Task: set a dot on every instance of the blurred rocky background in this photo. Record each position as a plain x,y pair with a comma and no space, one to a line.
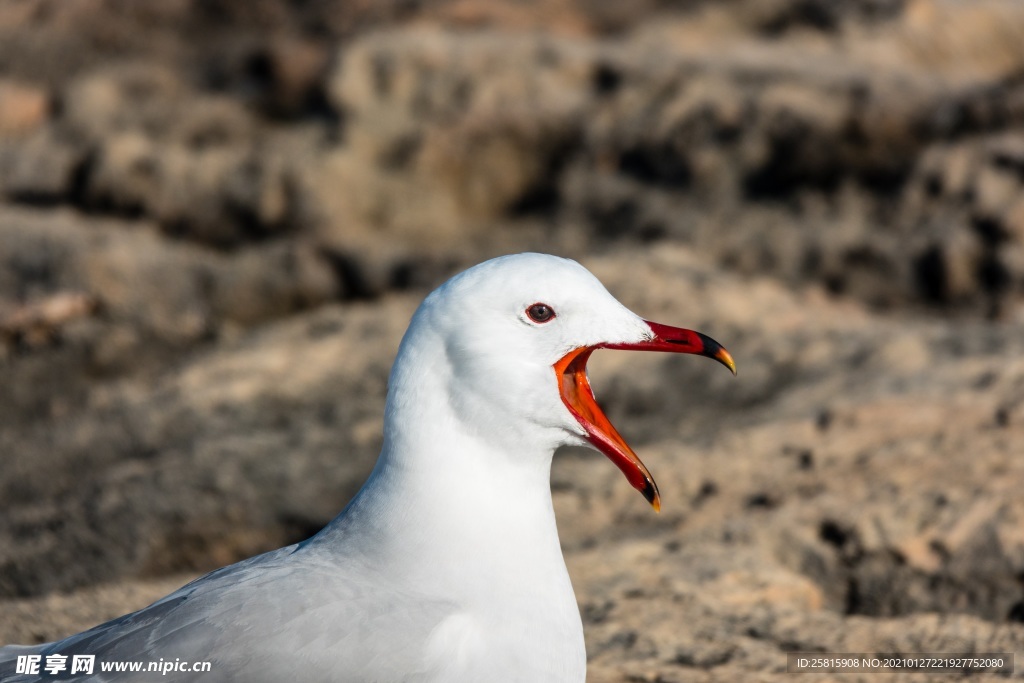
216,217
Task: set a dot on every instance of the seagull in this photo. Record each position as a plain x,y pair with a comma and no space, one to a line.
446,566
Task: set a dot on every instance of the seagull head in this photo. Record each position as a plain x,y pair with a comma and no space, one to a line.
512,338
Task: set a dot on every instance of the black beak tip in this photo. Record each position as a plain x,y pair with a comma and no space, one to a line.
651,494
713,349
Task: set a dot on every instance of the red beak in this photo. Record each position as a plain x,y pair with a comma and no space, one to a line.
578,397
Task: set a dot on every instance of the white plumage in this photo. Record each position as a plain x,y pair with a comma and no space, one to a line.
446,566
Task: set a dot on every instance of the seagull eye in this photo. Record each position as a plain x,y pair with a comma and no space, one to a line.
540,313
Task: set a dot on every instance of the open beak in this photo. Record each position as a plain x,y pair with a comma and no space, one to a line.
578,397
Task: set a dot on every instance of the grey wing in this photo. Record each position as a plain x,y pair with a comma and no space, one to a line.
285,614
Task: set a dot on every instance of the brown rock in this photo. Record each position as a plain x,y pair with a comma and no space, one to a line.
23,107
39,168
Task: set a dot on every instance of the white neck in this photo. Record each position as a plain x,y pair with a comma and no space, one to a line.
444,492
441,496
463,516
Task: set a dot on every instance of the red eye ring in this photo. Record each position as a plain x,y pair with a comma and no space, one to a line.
540,313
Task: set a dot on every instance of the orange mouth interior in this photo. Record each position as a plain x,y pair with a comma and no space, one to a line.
578,397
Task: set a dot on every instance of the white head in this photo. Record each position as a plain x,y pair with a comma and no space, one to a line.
506,343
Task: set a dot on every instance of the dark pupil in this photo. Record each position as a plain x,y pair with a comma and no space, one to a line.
540,312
